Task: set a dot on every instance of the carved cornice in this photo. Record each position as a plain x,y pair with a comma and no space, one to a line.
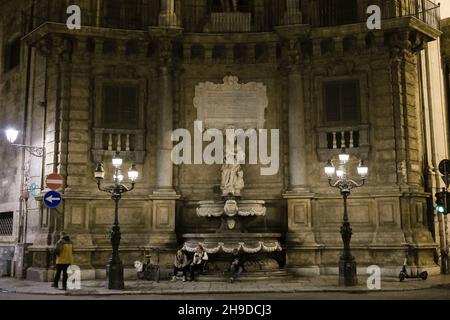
58,48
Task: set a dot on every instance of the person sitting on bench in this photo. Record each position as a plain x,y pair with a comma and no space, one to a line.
180,264
199,262
236,266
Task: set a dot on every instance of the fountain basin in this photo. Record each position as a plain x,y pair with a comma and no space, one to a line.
250,243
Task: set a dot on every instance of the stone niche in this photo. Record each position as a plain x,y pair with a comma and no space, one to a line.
231,104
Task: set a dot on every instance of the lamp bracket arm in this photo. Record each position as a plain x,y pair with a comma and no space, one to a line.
35,151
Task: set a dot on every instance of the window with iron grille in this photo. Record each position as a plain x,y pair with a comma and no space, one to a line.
120,106
342,101
6,223
11,55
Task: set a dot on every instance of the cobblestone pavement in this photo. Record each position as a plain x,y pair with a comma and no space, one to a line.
320,284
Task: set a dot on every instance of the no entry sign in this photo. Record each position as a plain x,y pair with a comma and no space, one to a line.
54,181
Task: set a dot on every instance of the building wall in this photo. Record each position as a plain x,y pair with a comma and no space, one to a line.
400,121
12,113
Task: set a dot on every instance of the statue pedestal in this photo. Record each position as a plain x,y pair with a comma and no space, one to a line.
231,212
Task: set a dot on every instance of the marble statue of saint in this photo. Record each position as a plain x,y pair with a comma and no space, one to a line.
232,179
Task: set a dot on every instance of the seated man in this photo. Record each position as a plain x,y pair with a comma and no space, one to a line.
180,264
199,261
236,266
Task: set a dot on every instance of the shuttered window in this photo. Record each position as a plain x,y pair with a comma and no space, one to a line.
123,14
120,106
342,101
337,12
11,55
6,223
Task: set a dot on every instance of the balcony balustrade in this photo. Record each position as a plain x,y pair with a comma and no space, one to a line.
130,144
198,16
331,140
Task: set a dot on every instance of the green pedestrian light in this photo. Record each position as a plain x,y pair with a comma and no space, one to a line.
440,209
440,202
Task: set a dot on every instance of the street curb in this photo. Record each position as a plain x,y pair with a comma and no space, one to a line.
80,293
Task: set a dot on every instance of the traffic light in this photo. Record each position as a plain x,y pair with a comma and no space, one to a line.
442,198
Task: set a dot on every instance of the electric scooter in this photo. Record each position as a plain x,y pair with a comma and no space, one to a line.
404,273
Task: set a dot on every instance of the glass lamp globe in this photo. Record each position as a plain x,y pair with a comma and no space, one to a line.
330,169
99,172
344,156
340,173
11,135
133,174
117,161
363,170
118,177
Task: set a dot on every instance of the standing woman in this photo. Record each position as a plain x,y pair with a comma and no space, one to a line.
64,258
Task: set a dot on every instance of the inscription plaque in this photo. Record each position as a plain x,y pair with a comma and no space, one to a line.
231,104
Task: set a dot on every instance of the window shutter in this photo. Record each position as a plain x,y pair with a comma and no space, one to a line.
128,102
111,106
131,13
113,12
342,101
120,106
350,101
332,105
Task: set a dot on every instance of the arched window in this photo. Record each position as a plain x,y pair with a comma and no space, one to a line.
11,57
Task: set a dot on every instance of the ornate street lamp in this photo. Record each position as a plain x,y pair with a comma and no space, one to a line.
347,263
11,136
114,269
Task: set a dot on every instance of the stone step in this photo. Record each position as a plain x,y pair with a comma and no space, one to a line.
247,276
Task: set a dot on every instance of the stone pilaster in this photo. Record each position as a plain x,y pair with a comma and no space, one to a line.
164,171
164,197
293,15
297,138
413,200
57,51
167,15
301,254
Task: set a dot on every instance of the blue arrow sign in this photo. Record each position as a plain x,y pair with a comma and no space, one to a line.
52,199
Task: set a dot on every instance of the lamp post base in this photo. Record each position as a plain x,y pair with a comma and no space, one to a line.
347,272
114,276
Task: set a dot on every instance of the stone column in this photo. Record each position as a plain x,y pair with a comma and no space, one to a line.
297,139
164,197
301,244
167,15
165,122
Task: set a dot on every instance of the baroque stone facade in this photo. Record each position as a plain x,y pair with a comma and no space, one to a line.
56,96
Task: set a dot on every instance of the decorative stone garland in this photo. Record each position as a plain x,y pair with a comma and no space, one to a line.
262,247
210,212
